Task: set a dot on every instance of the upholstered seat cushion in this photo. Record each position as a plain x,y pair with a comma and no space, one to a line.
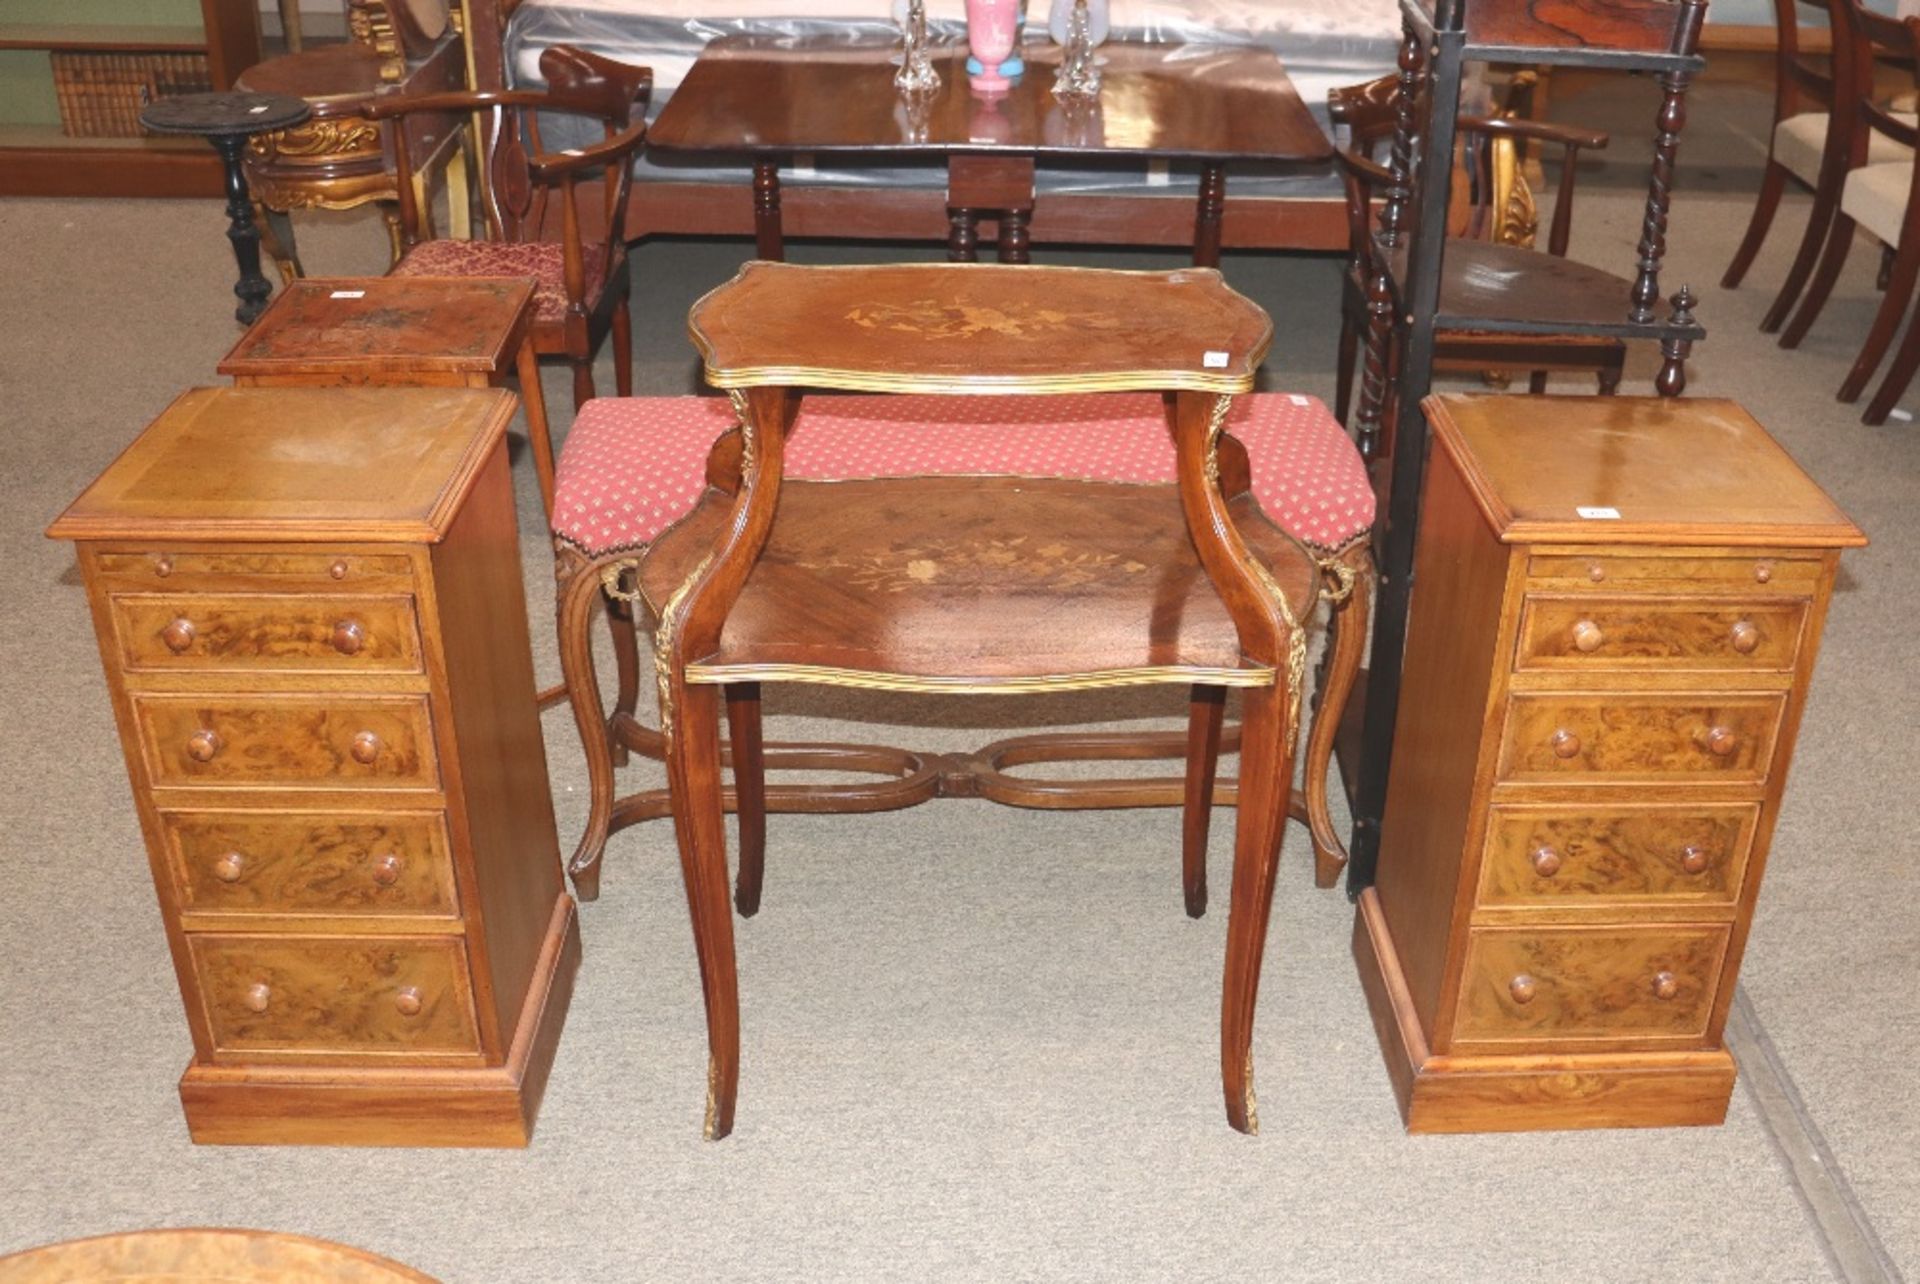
1799,141
544,261
1875,197
632,466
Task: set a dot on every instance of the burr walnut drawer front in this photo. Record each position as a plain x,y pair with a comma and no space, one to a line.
1747,573
1573,632
271,569
310,862
1640,738
1544,986
321,741
1596,857
267,631
315,995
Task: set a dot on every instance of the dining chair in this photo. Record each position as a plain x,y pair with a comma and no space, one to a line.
1498,207
537,222
1874,195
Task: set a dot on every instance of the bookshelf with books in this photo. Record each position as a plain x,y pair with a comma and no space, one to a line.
74,74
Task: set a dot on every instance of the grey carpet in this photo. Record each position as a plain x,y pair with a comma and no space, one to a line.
979,1042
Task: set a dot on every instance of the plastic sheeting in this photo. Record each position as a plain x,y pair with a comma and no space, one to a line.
1322,43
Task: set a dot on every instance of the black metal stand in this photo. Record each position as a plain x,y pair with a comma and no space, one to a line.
252,288
227,120
1407,302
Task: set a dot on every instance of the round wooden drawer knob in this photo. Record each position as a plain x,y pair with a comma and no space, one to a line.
1546,861
229,867
1722,741
349,637
339,569
386,870
1763,571
1587,637
203,745
163,566
1522,988
1744,637
178,635
365,748
1694,859
1596,572
1665,985
406,1000
1564,744
258,996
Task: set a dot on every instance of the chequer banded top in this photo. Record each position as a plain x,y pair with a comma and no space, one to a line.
632,466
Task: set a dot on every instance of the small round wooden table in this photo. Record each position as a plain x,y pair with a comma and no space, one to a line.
227,120
228,1256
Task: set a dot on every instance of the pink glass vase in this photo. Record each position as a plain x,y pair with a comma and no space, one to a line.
990,33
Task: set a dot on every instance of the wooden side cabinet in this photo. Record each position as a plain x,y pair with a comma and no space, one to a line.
1616,607
309,606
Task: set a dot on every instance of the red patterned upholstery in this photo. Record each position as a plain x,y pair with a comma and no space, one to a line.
632,466
543,261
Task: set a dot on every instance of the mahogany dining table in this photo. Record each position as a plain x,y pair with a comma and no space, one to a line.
775,98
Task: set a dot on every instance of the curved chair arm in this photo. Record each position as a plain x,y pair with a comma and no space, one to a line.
1540,130
547,166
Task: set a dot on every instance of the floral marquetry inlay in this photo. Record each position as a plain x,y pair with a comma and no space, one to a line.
939,320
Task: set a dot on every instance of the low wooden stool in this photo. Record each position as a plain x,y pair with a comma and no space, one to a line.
470,332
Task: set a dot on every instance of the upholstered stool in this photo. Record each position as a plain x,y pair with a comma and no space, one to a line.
633,466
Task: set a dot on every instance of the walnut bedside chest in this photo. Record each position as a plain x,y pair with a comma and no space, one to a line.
1616,608
309,606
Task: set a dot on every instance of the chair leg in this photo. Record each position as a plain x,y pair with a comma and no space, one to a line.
1772,184
699,822
1819,224
1899,375
1347,626
622,336
1839,245
1205,709
582,382
1537,383
624,630
575,599
1886,322
1349,354
533,401
749,792
276,238
1610,374
1266,768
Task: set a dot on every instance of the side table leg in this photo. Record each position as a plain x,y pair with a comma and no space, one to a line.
1015,241
252,289
769,238
1206,220
963,242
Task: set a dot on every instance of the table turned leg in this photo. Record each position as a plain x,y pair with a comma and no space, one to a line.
1207,218
769,238
252,288
1016,241
963,241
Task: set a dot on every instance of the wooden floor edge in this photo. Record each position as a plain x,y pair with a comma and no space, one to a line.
1535,1092
493,1106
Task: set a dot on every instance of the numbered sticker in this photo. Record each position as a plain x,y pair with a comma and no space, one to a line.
347,294
1597,513
1214,361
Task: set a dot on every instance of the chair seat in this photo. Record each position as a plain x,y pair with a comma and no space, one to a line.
1875,197
1800,141
544,261
633,466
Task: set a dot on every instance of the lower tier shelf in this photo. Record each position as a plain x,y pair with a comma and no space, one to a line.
1526,1092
